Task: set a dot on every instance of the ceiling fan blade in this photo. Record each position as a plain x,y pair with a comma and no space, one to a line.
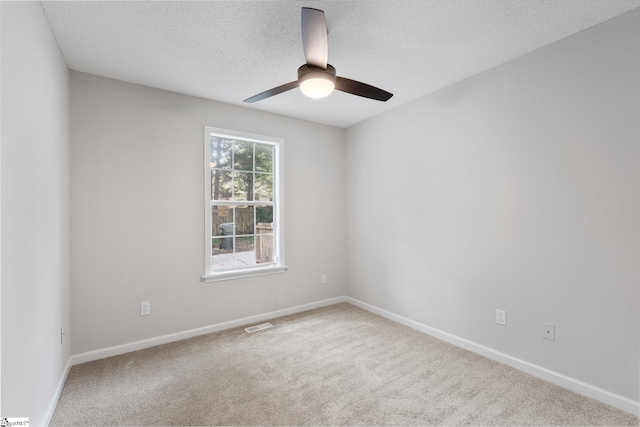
272,92
362,89
314,37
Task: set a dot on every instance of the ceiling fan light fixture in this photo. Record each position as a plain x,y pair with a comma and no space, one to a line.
316,82
317,88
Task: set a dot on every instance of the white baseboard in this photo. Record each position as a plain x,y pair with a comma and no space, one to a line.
54,399
165,339
561,380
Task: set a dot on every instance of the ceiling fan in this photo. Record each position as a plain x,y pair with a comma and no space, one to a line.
317,78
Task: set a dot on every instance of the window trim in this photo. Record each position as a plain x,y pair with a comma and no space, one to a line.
278,175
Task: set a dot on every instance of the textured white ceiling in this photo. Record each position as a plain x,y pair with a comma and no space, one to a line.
230,50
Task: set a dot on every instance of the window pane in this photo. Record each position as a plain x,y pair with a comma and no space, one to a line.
222,253
221,220
264,215
220,153
264,243
245,251
243,189
243,155
264,187
264,158
244,220
220,185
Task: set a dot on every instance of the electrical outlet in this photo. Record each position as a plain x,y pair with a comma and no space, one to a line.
501,317
323,278
549,331
145,308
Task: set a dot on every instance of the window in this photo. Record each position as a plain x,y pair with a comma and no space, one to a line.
243,205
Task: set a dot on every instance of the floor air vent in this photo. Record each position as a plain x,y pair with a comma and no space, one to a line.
259,327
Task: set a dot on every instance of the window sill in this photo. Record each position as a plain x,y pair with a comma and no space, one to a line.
241,274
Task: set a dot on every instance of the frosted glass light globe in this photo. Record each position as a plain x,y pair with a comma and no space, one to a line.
317,87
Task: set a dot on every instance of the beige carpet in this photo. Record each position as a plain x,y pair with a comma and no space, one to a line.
337,365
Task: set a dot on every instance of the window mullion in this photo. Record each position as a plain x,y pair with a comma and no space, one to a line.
253,172
241,203
233,237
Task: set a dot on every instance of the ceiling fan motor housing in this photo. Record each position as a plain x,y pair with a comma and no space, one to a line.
307,72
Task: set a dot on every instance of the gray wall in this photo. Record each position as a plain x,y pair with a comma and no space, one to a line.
35,212
137,213
515,189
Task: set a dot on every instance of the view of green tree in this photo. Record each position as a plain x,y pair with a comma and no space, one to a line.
264,158
264,214
232,166
243,155
221,179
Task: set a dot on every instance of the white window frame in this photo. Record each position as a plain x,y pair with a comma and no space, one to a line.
279,265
